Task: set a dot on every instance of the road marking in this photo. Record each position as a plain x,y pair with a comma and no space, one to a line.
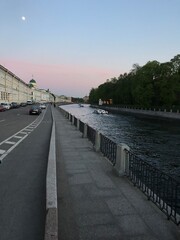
11,143
10,149
17,137
32,125
2,151
23,132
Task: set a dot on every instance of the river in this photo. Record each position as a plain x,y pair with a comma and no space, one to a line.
154,140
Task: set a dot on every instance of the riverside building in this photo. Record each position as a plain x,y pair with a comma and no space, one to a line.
14,89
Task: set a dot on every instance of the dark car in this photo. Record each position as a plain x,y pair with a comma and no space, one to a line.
35,110
23,104
15,105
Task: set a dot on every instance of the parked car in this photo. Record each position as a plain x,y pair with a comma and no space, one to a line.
15,105
2,108
29,102
23,104
6,105
42,106
35,110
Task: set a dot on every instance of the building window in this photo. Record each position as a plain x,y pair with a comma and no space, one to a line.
4,95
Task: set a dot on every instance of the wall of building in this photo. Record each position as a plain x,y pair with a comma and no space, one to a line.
13,89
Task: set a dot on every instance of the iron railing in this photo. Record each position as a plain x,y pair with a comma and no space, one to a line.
75,121
160,188
108,148
67,115
91,134
81,126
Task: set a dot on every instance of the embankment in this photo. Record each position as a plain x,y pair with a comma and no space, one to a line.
142,112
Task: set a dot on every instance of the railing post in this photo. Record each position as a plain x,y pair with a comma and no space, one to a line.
78,124
69,117
122,159
97,142
72,120
85,131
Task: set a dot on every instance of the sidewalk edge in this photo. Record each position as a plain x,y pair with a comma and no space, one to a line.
51,226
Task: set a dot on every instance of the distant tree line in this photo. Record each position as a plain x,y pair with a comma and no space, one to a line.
77,100
154,84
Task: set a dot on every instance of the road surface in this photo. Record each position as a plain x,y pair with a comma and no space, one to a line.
24,148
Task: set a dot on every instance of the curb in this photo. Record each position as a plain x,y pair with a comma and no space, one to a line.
51,227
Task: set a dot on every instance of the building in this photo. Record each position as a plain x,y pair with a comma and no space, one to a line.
14,89
86,99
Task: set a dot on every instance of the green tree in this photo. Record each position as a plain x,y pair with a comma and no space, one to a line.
93,96
149,85
176,64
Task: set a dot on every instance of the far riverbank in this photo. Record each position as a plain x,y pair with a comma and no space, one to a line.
151,113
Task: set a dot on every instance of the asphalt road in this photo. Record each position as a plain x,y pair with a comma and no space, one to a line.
23,176
13,120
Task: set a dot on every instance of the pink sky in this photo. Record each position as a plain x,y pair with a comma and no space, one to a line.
70,80
72,46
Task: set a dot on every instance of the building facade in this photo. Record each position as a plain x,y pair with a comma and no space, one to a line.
14,89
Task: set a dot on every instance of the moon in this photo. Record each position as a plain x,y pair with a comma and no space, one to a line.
23,18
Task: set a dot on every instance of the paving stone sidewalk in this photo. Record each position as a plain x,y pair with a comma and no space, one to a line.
96,204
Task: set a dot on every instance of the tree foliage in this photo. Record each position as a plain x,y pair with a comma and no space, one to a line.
149,85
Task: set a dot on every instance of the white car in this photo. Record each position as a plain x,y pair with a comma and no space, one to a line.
6,105
29,102
42,106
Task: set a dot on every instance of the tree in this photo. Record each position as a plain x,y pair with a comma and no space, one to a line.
149,85
176,64
135,68
93,98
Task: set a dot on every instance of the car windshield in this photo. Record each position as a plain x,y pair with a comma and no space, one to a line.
34,107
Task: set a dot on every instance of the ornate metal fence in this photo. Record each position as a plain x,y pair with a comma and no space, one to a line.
159,187
91,134
81,126
67,115
108,148
75,121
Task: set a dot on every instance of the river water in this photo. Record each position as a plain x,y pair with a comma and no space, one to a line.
154,140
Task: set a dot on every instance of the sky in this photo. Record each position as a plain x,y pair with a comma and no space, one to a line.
72,46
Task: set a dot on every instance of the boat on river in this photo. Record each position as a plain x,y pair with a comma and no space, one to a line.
100,111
